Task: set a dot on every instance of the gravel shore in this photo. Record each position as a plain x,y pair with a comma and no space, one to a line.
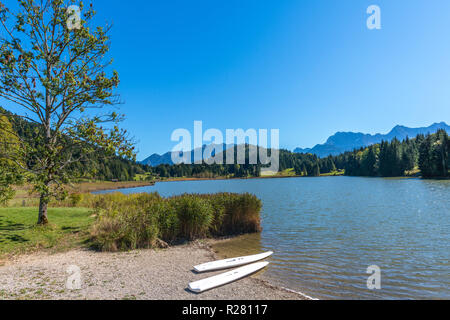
143,274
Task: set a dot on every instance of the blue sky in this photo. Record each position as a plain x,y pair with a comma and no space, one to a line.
308,68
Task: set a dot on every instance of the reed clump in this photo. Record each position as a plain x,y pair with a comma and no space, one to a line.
127,222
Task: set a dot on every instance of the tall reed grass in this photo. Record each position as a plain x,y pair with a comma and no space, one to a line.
138,221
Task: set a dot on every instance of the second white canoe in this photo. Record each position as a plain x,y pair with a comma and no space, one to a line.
227,277
231,263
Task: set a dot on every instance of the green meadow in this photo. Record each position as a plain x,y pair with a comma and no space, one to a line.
118,222
19,233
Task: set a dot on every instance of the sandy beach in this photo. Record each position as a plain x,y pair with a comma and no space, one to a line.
142,275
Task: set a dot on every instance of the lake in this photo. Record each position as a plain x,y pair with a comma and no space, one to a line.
327,231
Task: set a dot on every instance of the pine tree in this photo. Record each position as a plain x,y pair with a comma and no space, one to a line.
425,158
369,162
333,166
316,170
441,153
304,171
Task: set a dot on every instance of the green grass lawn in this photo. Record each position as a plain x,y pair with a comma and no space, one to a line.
19,233
334,173
288,173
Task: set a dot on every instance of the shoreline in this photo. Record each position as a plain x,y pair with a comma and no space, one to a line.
293,176
23,195
219,254
87,187
153,183
136,275
240,178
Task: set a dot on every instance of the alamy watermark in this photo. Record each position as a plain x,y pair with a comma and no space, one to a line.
74,279
208,147
374,20
74,20
374,280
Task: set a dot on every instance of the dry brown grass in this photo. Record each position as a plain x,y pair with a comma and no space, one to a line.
24,196
127,222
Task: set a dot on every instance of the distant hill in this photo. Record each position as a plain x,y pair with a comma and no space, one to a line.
348,141
335,145
155,159
99,167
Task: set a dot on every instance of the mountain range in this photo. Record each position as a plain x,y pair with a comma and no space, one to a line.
155,159
335,145
348,141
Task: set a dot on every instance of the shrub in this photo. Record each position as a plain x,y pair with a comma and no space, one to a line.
137,221
242,214
75,199
106,234
235,213
169,222
195,216
125,229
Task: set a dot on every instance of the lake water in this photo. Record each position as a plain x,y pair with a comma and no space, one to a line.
326,232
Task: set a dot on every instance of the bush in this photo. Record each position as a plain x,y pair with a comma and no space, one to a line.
242,214
125,228
137,221
106,234
168,220
235,213
195,216
75,199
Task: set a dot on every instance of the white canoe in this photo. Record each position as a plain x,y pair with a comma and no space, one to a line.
231,263
227,277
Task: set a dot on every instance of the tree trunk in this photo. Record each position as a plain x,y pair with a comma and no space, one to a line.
43,205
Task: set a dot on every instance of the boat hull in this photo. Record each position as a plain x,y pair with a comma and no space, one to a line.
225,278
231,263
